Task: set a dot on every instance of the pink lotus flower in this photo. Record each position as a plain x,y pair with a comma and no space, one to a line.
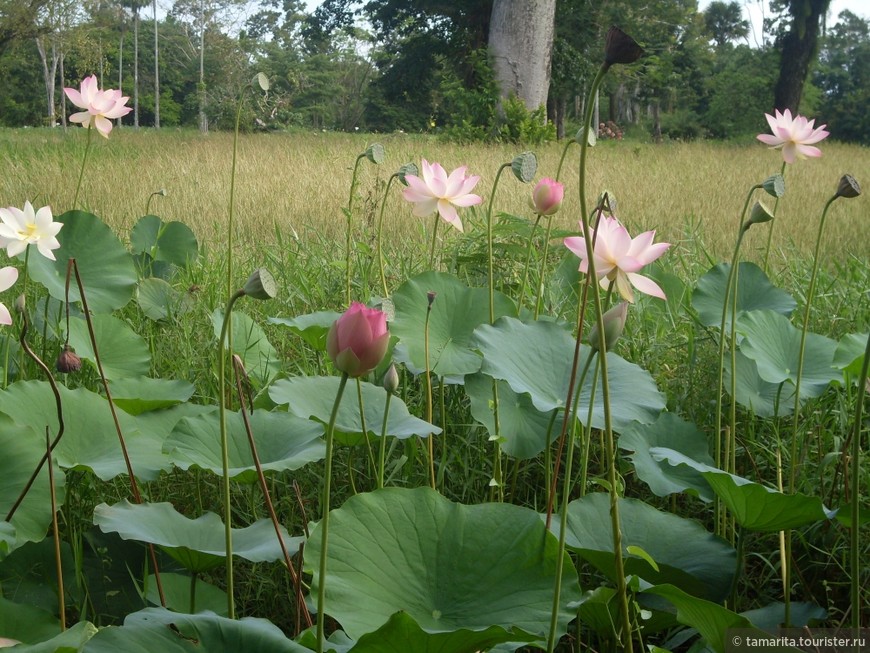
357,341
100,107
437,191
8,276
547,197
23,227
795,136
618,257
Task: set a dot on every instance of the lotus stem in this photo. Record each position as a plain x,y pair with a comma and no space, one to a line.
429,411
855,498
382,454
61,600
324,521
770,229
379,238
349,234
522,293
543,275
82,171
432,246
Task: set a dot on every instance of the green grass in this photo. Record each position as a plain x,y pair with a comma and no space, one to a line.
290,191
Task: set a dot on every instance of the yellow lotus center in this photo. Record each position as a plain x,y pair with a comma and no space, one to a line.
28,232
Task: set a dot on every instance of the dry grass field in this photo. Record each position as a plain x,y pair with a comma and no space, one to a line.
691,192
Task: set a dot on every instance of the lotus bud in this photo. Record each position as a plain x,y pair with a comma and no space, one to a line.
68,361
547,197
759,214
614,324
20,303
261,285
358,340
848,187
375,153
619,47
391,379
524,166
430,297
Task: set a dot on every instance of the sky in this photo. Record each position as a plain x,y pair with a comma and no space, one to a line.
754,10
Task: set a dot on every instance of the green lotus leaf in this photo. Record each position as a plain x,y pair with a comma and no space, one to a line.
312,328
686,554
22,450
754,292
123,352
199,543
850,353
456,312
26,623
90,439
69,641
524,430
160,301
250,343
774,344
449,566
312,397
763,398
669,430
136,396
157,629
535,358
107,271
172,242
284,442
176,591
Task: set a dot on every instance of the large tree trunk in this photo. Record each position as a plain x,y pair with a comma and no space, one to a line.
798,49
49,74
521,46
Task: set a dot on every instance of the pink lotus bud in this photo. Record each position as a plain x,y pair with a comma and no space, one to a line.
547,197
358,340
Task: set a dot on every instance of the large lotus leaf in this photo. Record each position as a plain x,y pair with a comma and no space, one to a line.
159,301
449,566
774,344
763,398
312,328
456,312
284,442
29,575
685,553
157,629
402,633
754,292
176,592
23,447
106,269
69,641
172,242
250,343
850,353
136,396
123,352
535,358
524,430
314,396
755,507
199,543
90,440
669,430
26,623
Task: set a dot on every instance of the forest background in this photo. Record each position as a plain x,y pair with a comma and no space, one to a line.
423,67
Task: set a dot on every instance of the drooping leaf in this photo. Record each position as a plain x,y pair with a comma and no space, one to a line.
754,292
524,430
107,271
23,447
456,311
774,344
312,328
773,614
90,439
450,567
250,343
199,543
687,555
157,629
172,242
284,442
850,353
313,397
123,352
535,358
69,641
763,398
136,396
159,301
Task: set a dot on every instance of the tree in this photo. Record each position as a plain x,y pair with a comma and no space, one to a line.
156,72
798,47
18,20
724,22
521,46
134,6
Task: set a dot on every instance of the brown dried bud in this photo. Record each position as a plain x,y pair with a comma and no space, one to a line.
68,361
619,47
848,187
431,297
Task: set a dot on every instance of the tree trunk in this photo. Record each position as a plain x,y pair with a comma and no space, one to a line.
62,94
798,49
156,74
136,66
657,121
521,45
48,75
121,67
203,119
